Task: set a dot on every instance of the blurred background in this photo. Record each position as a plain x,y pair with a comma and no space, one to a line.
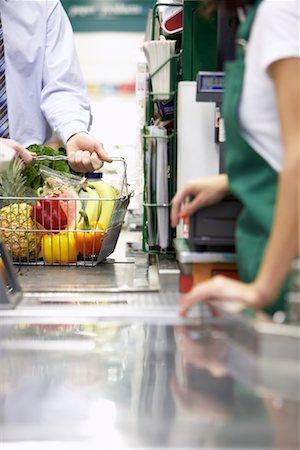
108,36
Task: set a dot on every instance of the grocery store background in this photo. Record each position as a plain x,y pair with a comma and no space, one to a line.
108,36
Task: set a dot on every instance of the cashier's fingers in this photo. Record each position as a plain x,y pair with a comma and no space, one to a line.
202,292
177,202
193,206
179,209
230,294
200,192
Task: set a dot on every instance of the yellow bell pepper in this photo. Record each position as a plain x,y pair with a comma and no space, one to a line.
59,248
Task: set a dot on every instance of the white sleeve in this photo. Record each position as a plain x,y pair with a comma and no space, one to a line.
278,22
64,100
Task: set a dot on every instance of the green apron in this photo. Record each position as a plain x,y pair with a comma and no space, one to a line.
251,178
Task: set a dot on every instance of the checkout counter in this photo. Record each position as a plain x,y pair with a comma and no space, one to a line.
89,368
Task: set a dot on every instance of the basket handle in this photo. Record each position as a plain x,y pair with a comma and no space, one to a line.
65,158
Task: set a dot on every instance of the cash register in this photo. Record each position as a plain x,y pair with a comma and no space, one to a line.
209,248
213,226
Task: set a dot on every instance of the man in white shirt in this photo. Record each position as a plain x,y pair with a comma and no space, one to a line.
44,84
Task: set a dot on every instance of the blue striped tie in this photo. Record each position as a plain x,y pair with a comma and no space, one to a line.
3,99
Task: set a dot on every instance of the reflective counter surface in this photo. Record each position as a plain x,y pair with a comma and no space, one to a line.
97,358
121,383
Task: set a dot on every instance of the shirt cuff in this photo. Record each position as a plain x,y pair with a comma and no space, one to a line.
70,130
82,131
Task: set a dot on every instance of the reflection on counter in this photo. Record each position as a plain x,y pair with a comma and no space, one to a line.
121,385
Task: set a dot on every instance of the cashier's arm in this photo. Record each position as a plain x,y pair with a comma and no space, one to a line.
283,243
284,239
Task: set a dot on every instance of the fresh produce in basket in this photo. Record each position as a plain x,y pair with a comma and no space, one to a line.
89,236
91,204
59,248
17,232
16,225
32,172
105,191
13,183
49,213
58,208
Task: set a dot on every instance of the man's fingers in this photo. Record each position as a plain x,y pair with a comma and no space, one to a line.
96,162
78,160
99,149
84,161
86,148
24,154
74,160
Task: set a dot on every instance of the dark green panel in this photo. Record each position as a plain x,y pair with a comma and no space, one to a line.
108,15
199,42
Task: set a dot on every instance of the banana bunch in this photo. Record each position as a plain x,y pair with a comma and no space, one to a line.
92,203
102,209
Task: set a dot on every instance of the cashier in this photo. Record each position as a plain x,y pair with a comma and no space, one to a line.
261,111
41,84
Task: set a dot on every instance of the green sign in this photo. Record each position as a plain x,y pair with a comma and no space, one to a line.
108,15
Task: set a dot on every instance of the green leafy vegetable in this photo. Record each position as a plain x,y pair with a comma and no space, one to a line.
32,171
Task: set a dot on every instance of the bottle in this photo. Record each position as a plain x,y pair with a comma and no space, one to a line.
94,175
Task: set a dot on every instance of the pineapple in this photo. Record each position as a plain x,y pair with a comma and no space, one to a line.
12,182
16,231
16,225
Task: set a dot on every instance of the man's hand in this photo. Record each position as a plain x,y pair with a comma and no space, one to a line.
21,151
86,153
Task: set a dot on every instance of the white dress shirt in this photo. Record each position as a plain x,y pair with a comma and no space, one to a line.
45,88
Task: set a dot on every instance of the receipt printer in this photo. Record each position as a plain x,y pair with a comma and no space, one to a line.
214,226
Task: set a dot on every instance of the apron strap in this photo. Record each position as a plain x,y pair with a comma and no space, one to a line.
244,29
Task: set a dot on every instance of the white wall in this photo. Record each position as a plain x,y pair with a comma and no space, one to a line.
108,57
109,60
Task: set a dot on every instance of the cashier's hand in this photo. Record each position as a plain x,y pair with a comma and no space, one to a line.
21,151
86,153
205,191
224,293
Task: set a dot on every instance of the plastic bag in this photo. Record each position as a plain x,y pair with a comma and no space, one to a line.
57,182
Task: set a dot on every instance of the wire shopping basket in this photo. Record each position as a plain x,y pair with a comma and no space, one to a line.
67,229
